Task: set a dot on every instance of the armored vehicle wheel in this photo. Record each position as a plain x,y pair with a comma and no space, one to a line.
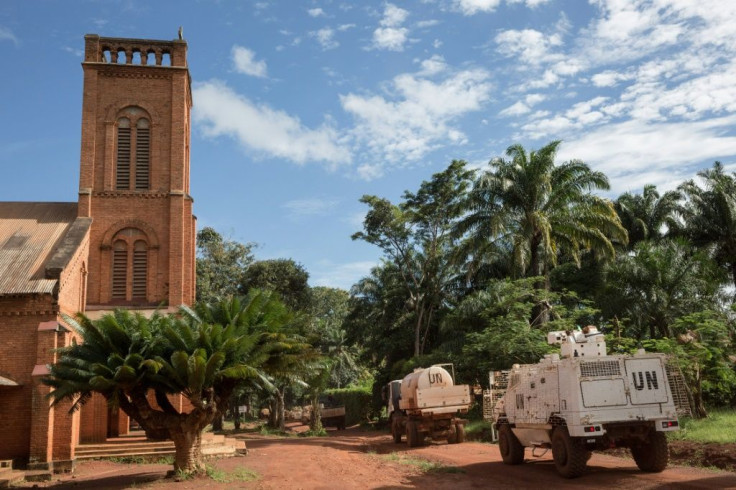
569,454
652,455
396,430
412,434
460,432
512,452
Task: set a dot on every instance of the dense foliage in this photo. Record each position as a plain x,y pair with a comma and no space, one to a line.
527,246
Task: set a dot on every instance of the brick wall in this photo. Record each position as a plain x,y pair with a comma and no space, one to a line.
165,210
19,320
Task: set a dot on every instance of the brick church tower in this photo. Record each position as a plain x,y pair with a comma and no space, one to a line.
134,177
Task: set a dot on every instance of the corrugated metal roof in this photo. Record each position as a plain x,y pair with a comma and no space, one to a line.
29,234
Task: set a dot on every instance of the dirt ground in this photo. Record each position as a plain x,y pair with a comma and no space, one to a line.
357,459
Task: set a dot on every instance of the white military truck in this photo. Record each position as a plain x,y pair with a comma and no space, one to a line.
426,403
584,399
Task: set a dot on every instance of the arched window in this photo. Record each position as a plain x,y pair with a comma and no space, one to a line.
119,270
133,165
122,175
142,154
130,266
140,269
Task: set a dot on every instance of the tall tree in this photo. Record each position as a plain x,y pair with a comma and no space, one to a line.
416,236
647,216
537,210
329,311
656,284
710,215
283,276
221,265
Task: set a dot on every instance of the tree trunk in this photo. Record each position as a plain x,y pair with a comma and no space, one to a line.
272,414
217,423
315,421
418,331
188,444
280,410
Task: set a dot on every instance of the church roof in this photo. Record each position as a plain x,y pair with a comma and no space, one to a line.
36,241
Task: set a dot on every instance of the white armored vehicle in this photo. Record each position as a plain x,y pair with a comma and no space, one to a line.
427,403
584,399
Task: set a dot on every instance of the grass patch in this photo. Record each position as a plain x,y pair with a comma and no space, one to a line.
267,431
238,475
478,430
314,433
422,464
150,459
719,427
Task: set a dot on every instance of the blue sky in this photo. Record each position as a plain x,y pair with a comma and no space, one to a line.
301,107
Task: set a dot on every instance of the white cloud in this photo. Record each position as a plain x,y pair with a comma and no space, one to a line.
7,34
517,109
531,47
345,27
528,3
326,38
219,111
416,116
423,24
310,207
390,38
634,153
393,16
75,51
520,108
432,66
608,78
331,274
316,12
391,35
472,7
245,62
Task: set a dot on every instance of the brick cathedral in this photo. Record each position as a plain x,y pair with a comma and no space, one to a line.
128,242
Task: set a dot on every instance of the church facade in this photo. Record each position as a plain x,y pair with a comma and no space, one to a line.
128,242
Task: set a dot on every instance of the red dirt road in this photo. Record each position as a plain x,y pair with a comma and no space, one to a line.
368,459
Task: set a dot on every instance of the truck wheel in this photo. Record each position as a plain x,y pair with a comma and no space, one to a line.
412,434
452,436
569,454
460,433
512,452
652,455
396,430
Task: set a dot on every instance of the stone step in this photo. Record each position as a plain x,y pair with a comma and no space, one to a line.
215,444
127,455
86,448
9,477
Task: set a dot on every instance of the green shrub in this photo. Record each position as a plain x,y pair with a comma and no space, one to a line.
357,403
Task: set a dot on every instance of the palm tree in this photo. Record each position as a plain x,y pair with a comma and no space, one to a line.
537,210
126,356
710,215
647,216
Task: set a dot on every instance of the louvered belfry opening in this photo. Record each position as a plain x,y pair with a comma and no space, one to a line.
142,155
122,168
140,270
119,270
130,266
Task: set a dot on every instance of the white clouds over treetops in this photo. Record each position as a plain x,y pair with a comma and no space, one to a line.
245,62
219,111
416,115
